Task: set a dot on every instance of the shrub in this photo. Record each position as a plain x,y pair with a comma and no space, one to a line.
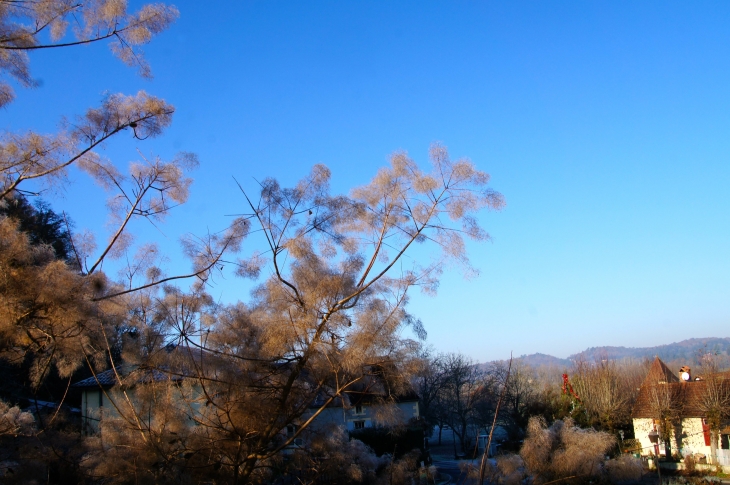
330,456
563,450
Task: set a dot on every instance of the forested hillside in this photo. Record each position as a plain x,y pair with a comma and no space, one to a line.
686,350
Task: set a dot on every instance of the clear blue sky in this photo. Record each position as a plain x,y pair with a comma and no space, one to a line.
606,125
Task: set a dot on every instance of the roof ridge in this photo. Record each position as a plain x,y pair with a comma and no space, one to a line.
659,372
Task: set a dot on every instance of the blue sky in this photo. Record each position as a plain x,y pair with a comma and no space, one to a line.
605,125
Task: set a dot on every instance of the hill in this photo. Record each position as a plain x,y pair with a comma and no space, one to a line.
686,350
544,360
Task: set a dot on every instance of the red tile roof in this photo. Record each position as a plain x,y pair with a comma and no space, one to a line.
661,385
659,372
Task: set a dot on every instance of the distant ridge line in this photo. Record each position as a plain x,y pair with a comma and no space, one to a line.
686,350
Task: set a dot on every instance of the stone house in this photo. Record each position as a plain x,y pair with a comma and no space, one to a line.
676,399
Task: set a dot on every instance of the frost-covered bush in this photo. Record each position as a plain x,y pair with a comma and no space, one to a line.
564,450
402,471
510,469
330,456
13,421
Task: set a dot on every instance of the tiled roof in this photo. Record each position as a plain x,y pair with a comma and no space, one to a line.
661,385
128,374
659,372
103,379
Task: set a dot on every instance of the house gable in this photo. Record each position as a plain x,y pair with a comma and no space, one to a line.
685,396
661,388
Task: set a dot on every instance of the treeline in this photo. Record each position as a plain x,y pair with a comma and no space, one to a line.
551,423
685,351
600,395
461,394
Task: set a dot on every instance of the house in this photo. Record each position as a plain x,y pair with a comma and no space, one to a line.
675,399
97,395
368,405
357,410
94,399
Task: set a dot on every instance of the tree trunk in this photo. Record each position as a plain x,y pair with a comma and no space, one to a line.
462,437
714,435
453,440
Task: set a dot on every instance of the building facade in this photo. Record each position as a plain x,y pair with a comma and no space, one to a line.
677,401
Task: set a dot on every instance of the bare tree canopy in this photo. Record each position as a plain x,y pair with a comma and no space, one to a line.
713,397
607,390
327,319
27,25
44,158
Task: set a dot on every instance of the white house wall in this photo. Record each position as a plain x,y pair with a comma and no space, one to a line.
692,439
92,412
368,415
409,409
96,403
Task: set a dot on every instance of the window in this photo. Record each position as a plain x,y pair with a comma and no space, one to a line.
358,409
359,424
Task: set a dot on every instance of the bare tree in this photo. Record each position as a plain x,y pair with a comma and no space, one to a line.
666,404
521,395
713,398
45,158
429,382
55,311
469,396
328,319
23,24
607,390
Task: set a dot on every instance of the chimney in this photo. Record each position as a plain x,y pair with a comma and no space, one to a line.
685,374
